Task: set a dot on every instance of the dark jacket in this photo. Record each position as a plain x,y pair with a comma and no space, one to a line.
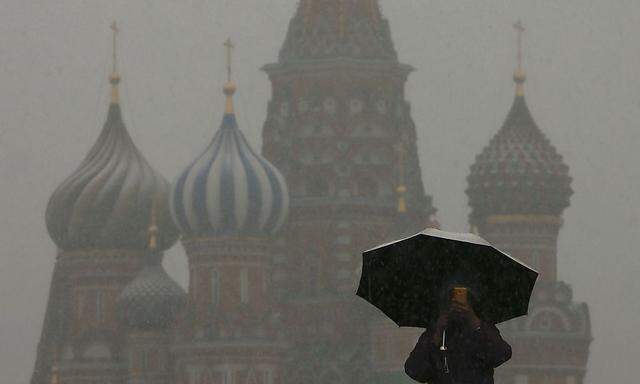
471,357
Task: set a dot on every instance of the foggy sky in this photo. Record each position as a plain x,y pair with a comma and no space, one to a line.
581,59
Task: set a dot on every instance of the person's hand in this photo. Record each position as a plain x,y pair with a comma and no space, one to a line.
466,312
442,321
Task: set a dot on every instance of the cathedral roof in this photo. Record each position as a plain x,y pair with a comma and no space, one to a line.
229,189
105,203
326,29
519,171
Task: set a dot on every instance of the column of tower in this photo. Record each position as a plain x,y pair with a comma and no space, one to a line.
229,204
518,188
340,130
98,217
148,308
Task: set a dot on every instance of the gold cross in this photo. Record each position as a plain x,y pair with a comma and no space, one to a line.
229,46
114,28
520,29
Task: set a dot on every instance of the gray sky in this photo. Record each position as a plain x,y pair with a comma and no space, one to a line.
581,59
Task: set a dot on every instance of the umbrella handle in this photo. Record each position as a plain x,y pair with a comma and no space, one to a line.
444,334
444,348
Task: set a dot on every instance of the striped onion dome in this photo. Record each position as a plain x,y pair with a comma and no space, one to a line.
519,171
229,189
106,202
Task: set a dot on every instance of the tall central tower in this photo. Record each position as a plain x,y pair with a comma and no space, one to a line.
340,130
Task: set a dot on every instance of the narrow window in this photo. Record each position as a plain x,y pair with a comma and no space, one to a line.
194,286
80,306
144,360
244,286
99,307
215,287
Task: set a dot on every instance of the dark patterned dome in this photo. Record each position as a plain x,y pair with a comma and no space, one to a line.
519,172
325,29
230,189
106,202
153,299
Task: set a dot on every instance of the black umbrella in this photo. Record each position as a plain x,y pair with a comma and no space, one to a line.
405,278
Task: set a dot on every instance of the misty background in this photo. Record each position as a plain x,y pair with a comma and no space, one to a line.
581,59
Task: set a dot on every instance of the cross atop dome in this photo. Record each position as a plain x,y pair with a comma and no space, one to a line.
105,201
114,78
229,188
520,29
229,46
519,75
230,87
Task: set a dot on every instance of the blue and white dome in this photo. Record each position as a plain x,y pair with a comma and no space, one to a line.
229,189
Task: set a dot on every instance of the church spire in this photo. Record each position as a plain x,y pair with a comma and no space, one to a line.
114,78
334,29
519,75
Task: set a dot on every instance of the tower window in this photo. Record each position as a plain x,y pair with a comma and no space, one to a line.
215,287
80,305
318,187
244,286
99,307
144,360
194,285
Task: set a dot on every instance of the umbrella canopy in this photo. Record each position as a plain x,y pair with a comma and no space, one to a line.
405,279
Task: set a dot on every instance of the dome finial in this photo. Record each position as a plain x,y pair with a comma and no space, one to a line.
229,88
519,75
114,78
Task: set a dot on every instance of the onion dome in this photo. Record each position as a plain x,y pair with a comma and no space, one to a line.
326,29
519,171
152,299
229,189
106,202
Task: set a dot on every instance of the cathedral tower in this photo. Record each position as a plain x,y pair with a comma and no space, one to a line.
148,308
98,217
230,204
518,188
340,130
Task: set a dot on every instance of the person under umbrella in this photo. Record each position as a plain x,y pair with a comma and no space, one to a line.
455,285
473,348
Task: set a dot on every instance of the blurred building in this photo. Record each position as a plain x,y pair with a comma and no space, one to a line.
274,240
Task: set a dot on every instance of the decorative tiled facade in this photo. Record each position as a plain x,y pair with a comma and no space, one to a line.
274,243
